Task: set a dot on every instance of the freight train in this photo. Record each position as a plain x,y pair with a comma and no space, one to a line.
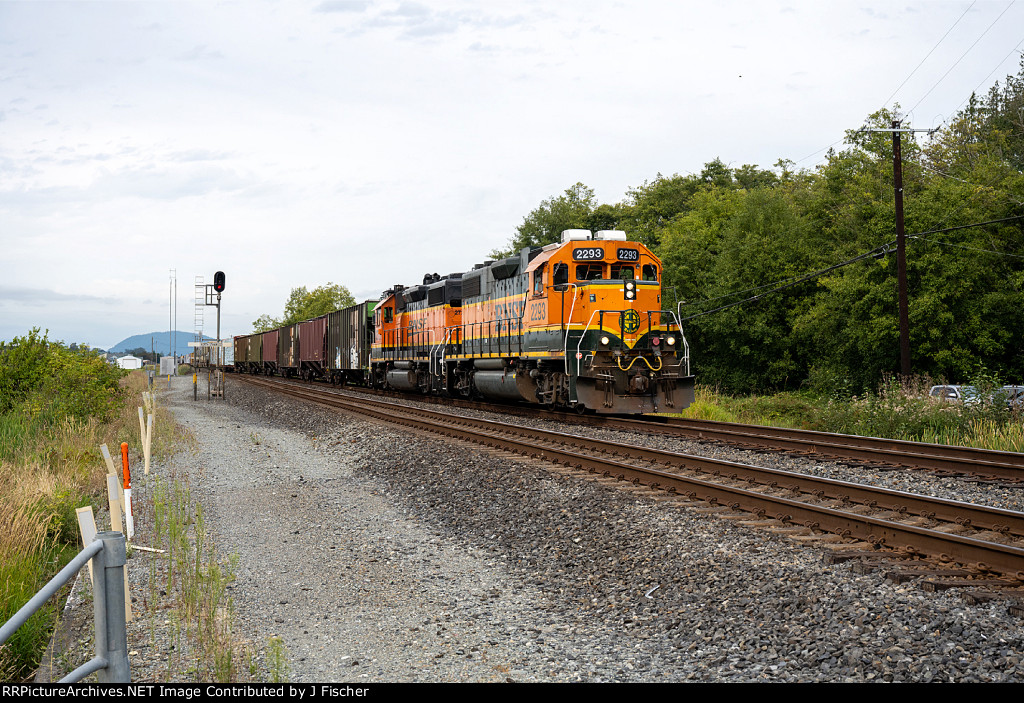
576,324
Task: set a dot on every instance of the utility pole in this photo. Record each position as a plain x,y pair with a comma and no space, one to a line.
901,251
901,243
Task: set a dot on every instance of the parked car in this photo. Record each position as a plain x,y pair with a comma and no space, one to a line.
1014,397
956,394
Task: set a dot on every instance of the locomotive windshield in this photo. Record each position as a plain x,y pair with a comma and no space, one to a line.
589,272
622,272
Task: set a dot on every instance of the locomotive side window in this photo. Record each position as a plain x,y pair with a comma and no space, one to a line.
538,280
560,274
650,272
589,272
622,272
388,315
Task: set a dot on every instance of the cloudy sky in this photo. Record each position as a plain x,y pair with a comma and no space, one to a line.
366,142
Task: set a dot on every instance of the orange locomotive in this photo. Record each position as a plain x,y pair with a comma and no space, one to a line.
575,324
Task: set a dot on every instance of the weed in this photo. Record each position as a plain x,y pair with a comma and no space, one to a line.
278,669
898,409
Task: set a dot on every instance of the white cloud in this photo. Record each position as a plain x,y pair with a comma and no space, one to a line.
365,143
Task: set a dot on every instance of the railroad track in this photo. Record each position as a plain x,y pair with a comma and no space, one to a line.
968,463
981,546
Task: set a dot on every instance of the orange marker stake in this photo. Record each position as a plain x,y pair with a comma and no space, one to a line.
128,520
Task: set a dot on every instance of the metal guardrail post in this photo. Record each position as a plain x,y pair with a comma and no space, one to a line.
109,555
109,612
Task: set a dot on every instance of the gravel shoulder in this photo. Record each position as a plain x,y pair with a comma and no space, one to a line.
377,554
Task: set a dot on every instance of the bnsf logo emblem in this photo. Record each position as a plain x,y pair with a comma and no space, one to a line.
630,321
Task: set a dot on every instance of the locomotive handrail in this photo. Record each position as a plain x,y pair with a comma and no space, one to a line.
442,346
568,326
448,333
682,336
579,355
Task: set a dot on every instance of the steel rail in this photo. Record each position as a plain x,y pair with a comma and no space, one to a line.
982,554
940,457
943,458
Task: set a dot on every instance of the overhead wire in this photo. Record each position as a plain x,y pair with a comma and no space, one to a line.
957,62
961,246
905,80
921,63
792,282
886,101
882,249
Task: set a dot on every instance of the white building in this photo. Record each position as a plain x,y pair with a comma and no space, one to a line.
129,362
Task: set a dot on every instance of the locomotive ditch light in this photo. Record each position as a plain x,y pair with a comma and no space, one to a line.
670,341
605,341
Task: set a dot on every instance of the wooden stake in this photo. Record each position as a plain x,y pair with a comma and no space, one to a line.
87,529
114,498
108,459
148,452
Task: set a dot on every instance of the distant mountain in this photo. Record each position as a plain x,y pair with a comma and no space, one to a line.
160,341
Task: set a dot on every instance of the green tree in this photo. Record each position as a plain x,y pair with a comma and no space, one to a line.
545,224
731,245
23,367
304,304
265,323
55,381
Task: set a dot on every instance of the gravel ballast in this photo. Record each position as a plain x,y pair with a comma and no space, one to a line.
378,554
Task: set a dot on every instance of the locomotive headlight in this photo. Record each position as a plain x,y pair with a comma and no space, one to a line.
629,285
670,341
629,295
605,341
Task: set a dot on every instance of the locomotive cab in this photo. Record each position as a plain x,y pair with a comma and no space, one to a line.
596,302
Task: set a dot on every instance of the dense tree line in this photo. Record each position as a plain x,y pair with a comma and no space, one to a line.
50,381
731,234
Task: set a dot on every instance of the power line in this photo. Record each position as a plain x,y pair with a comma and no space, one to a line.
877,251
886,102
957,62
884,248
975,224
961,246
985,79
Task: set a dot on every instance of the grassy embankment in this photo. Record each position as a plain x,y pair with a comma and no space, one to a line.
57,406
896,411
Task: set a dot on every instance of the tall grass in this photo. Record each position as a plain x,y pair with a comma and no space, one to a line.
50,465
899,409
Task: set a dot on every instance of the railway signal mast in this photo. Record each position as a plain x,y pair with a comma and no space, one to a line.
218,372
